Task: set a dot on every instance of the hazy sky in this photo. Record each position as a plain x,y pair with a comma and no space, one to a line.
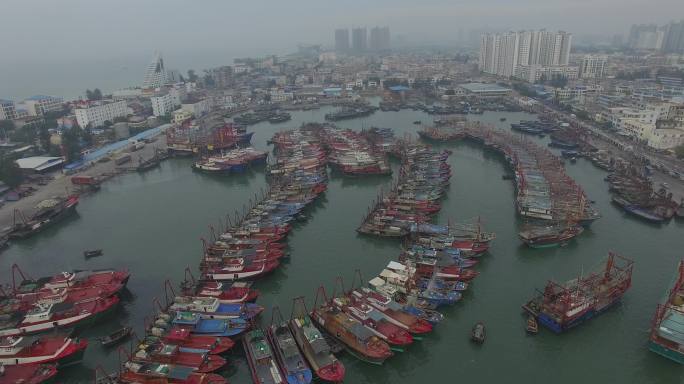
201,33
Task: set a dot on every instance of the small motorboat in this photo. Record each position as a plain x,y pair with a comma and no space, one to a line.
92,253
502,119
116,337
417,122
532,326
478,333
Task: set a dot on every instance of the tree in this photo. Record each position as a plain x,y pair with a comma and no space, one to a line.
10,173
95,94
192,77
679,151
44,138
6,125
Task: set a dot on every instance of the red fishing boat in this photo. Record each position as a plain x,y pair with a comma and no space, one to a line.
76,279
392,311
45,317
157,373
58,349
240,269
184,338
172,354
65,295
27,374
235,293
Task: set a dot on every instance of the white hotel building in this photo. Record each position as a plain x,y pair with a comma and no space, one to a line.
94,114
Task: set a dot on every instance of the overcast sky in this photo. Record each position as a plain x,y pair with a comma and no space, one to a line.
206,32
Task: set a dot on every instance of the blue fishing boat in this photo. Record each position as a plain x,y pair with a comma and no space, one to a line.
290,359
210,327
212,308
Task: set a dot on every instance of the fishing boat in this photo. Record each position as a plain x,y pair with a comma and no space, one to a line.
289,357
116,337
172,354
49,212
41,349
167,374
356,338
316,350
92,253
478,333
189,342
27,374
667,327
393,334
227,293
212,308
549,236
262,362
532,327
392,311
562,306
240,269
206,327
46,317
75,279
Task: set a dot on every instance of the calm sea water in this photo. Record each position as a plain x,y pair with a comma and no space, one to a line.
152,224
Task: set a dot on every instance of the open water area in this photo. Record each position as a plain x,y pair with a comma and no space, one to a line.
152,223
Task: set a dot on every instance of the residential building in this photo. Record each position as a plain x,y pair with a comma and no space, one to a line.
379,39
7,110
646,36
162,105
94,114
359,40
222,77
502,53
155,76
592,67
534,73
342,40
198,108
674,38
40,104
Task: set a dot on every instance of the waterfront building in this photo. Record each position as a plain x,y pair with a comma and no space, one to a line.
502,53
359,40
485,90
534,73
7,110
379,39
342,40
155,76
162,105
40,104
94,114
592,67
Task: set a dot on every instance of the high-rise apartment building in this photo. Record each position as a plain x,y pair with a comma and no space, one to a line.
342,40
379,39
501,53
155,76
95,114
646,36
359,39
592,67
673,41
8,111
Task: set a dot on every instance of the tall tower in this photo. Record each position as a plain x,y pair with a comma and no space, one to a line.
155,76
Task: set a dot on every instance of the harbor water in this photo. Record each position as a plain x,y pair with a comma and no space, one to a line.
152,224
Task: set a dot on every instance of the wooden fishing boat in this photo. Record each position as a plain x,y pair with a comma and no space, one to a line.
92,253
167,374
262,363
532,327
393,311
478,333
357,339
316,350
116,337
172,354
291,360
41,349
374,321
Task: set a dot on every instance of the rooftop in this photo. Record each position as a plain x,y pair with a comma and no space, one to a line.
484,87
39,163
